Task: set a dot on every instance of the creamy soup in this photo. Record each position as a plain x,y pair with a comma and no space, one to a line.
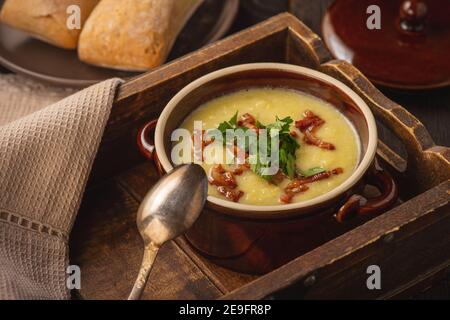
324,159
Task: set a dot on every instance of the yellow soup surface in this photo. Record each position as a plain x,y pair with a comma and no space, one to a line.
267,103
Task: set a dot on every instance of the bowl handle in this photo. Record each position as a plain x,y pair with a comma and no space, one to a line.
358,205
146,144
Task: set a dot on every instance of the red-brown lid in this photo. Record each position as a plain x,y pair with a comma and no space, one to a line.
409,50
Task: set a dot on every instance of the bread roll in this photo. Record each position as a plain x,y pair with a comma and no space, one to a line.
133,35
46,19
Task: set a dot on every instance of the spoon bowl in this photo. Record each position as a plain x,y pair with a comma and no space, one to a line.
169,209
173,204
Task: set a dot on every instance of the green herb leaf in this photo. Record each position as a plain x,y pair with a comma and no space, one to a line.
287,149
233,120
227,125
290,166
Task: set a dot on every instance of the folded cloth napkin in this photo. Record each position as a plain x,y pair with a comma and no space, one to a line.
46,153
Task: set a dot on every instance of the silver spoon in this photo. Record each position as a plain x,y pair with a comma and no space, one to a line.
167,211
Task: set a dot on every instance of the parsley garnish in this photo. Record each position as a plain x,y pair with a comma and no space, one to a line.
288,145
287,148
226,125
312,172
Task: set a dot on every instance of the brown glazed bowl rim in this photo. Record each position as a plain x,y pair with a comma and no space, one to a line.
257,211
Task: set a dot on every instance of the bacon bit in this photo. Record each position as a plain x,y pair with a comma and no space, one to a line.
197,137
230,193
239,168
308,126
309,120
225,182
293,134
218,176
299,185
296,186
337,171
321,176
207,142
248,121
235,150
286,198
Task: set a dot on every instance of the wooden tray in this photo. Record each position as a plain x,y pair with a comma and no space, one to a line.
411,243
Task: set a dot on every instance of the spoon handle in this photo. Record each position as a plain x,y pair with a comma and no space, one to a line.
150,253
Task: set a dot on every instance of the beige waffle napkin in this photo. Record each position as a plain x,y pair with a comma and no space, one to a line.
46,153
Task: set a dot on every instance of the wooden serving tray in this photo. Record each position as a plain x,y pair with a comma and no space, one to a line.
410,243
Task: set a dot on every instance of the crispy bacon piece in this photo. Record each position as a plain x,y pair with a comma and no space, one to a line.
218,176
229,193
310,138
299,185
248,121
207,142
321,176
236,151
293,188
201,135
308,126
198,137
296,186
309,120
225,182
287,197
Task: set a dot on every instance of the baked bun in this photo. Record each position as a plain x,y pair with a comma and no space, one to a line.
133,35
46,19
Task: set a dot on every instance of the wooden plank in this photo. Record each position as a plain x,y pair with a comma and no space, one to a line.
420,229
405,263
138,181
423,283
143,98
106,245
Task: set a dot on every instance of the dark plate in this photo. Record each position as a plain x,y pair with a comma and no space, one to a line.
23,54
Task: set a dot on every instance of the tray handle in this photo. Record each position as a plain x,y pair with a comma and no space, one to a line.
427,164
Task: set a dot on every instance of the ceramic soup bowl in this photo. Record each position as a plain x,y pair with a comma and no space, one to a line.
256,239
